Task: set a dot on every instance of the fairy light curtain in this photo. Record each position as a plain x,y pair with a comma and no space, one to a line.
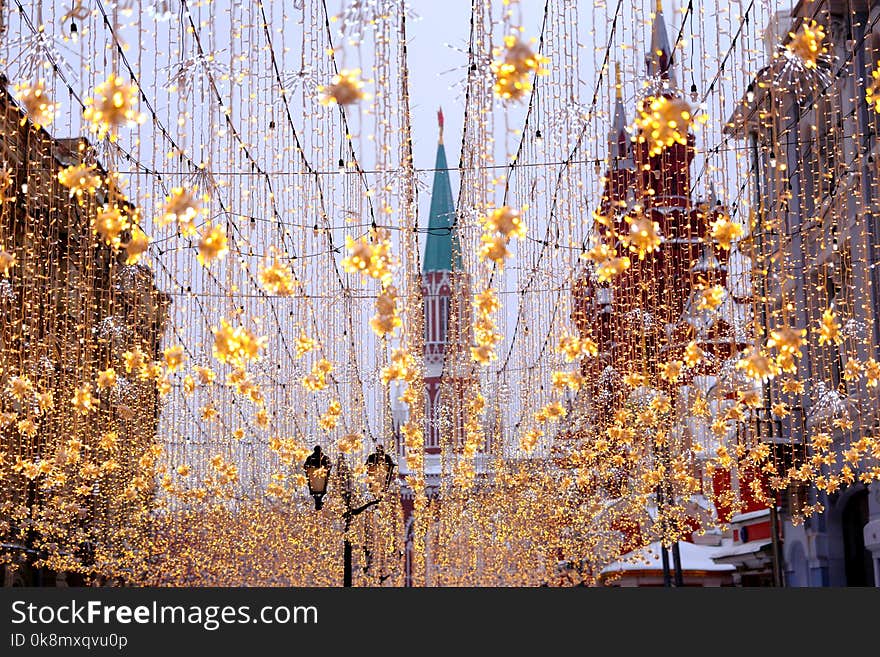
210,257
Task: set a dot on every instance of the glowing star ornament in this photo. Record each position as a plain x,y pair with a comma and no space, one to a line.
757,365
174,357
107,379
529,439
486,302
710,298
350,443
134,359
109,224
807,44
789,342
574,347
213,244
36,103
606,270
303,344
136,246
371,256
829,328
567,380
793,386
872,373
346,88
483,354
513,67
872,90
82,399
236,345
182,206
80,179
725,231
494,248
403,367
852,371
644,235
7,261
506,221
671,370
20,387
317,379
206,375
113,105
662,122
277,278
693,354
386,318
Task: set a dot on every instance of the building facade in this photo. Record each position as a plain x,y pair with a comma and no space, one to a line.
657,299
69,308
811,137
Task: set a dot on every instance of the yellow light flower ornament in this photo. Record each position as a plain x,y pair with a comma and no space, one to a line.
346,88
829,328
757,365
236,345
724,231
277,278
513,67
80,179
808,43
36,103
644,235
112,106
506,221
136,246
662,122
494,248
109,223
213,244
872,90
371,256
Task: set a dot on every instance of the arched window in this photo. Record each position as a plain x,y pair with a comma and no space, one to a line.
444,318
857,560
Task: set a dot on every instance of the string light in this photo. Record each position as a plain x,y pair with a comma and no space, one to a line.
618,323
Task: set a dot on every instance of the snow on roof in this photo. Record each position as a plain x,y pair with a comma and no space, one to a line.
739,549
751,515
693,557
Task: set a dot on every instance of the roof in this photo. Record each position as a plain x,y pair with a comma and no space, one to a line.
693,558
740,550
442,248
751,515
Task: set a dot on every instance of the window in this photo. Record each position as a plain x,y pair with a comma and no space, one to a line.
444,318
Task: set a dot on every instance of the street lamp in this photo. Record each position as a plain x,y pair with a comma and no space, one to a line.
317,467
380,470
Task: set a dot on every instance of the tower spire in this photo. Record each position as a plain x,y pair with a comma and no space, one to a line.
618,83
659,59
618,138
442,247
440,124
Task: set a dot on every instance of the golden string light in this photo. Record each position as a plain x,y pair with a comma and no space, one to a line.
644,315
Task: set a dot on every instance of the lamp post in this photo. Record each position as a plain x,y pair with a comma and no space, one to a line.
380,471
317,467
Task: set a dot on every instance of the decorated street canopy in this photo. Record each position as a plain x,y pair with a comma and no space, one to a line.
618,292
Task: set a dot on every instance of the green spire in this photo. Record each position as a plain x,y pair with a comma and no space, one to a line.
442,248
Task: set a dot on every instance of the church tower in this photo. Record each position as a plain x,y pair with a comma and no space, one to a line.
445,292
447,323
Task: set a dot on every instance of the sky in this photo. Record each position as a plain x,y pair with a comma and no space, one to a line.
437,57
